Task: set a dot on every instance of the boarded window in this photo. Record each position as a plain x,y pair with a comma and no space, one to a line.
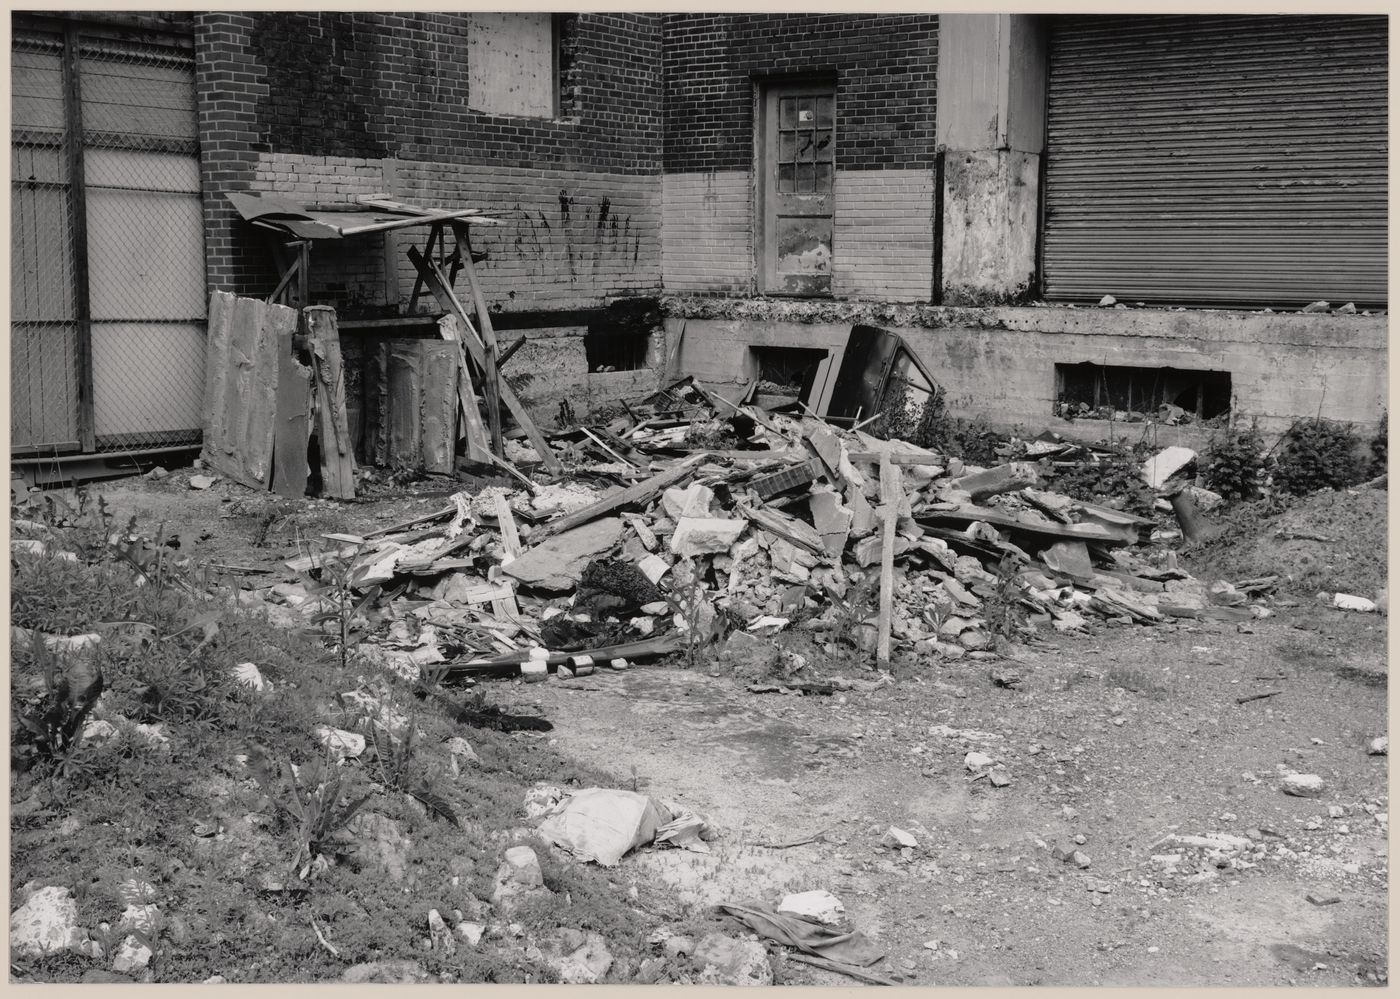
512,64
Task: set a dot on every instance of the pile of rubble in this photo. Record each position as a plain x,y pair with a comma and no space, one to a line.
693,521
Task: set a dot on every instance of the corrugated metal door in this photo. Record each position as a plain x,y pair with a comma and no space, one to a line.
1226,161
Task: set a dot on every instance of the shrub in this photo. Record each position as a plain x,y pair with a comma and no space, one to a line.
1234,462
1113,481
1318,454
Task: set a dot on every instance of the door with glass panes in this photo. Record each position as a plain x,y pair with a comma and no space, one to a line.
798,168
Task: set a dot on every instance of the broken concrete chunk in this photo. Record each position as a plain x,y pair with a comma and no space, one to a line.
1069,557
201,481
833,520
342,744
1347,601
977,761
1304,785
692,501
896,837
705,535
819,906
558,563
47,923
654,567
1006,478
1166,463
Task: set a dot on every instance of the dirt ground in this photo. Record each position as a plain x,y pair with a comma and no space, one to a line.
1113,742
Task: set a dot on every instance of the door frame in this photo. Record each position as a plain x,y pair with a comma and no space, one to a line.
766,92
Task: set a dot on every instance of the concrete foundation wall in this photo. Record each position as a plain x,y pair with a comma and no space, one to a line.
999,363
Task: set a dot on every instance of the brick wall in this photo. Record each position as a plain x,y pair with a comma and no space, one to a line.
324,105
885,67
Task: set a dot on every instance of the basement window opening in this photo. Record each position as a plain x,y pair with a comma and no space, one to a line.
786,371
1137,394
616,350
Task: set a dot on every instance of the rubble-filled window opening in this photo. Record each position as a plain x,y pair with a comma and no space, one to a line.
1122,392
616,349
786,370
522,64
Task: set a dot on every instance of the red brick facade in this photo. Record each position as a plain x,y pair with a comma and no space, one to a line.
351,91
885,67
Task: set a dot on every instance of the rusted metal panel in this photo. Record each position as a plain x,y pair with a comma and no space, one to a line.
1226,161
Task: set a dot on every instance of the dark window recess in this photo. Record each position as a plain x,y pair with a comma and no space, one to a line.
616,350
1120,392
566,65
786,370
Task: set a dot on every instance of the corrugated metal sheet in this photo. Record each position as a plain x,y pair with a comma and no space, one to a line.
1230,161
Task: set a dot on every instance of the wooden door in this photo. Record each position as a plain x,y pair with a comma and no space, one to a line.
798,169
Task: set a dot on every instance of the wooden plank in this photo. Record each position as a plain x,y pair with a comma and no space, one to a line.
788,528
337,461
292,432
510,534
491,368
435,280
478,443
275,327
225,454
638,493
889,515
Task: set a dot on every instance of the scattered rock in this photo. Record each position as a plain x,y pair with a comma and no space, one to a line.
215,980
723,960
201,481
705,535
1080,859
819,905
471,932
1318,306
748,654
439,934
579,958
998,777
131,956
896,837
461,750
342,744
384,973
1380,746
675,947
519,877
1303,785
977,761
47,923
1108,301
381,841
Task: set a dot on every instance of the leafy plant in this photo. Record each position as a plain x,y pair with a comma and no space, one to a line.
1003,610
394,759
1318,454
316,801
55,725
336,590
1234,462
1112,481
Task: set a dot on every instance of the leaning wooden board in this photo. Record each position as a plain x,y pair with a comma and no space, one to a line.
337,452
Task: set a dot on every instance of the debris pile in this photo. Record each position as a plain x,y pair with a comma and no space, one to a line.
693,521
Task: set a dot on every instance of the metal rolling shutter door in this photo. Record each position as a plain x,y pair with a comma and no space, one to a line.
1219,161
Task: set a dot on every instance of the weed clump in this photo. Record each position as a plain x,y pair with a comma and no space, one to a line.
1234,463
1113,481
1318,454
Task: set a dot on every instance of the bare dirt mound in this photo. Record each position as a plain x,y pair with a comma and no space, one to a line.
1332,540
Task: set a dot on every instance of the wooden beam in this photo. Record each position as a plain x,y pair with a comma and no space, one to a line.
337,459
889,515
478,443
293,427
435,280
488,337
509,352
637,493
